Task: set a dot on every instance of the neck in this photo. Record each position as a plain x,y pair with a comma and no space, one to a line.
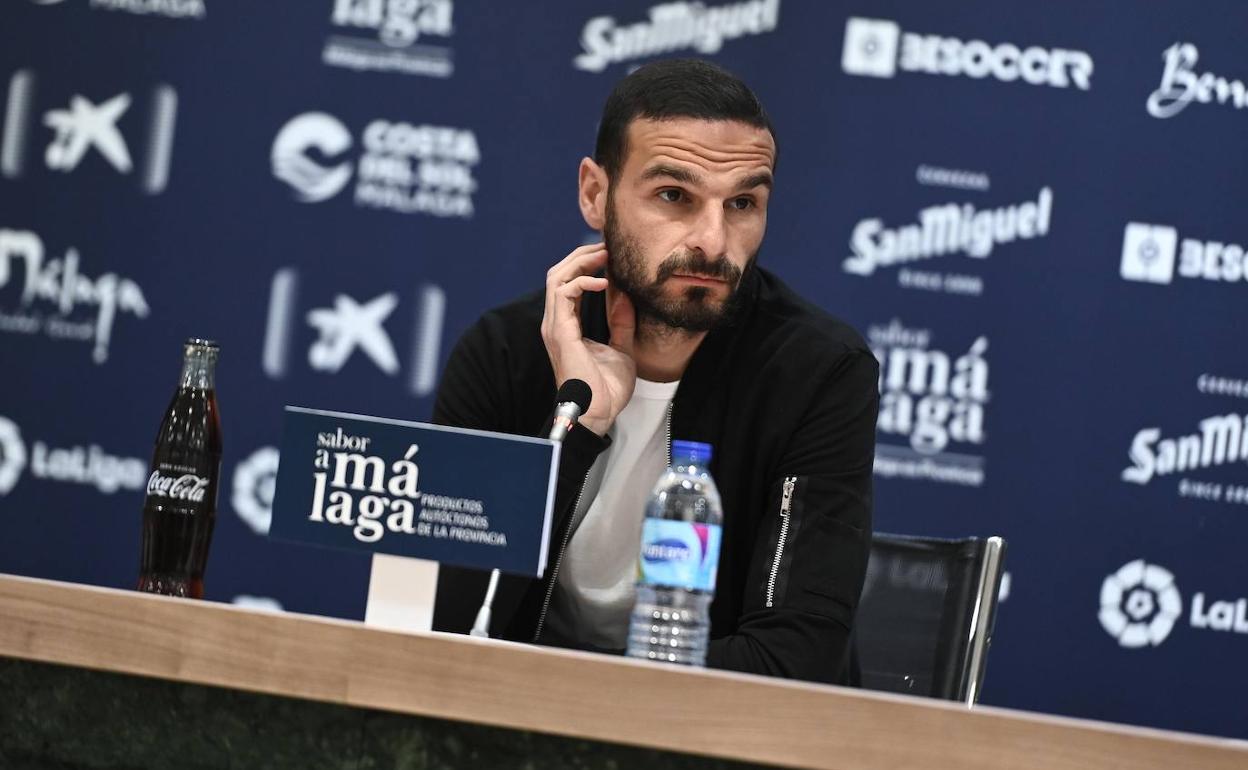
662,353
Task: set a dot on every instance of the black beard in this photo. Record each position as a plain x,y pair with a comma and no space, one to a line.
695,310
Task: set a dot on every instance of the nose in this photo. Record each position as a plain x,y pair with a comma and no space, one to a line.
709,233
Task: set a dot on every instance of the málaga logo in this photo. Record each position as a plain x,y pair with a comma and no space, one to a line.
1140,604
59,299
934,400
391,36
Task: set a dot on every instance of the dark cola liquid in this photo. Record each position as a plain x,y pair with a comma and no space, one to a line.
181,504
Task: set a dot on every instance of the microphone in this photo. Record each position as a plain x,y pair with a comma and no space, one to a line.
571,402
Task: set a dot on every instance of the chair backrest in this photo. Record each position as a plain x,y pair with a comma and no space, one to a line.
927,613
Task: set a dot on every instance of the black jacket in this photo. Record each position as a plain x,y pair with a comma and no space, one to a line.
786,395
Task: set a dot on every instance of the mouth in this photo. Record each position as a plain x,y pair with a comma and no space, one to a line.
699,280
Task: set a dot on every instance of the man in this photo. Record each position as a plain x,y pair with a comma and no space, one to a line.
684,337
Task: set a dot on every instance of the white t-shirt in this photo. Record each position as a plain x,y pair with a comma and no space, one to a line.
599,569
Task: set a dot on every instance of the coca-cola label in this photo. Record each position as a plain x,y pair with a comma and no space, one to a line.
187,486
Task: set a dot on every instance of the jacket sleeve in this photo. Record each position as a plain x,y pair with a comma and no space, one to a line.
810,555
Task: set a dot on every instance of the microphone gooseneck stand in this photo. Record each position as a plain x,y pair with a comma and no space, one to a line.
571,402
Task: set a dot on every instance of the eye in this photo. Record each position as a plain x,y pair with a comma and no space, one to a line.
742,204
671,195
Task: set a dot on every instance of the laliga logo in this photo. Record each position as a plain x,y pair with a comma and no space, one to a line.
312,181
1139,604
12,454
252,497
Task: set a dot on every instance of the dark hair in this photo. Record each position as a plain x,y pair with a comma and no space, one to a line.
673,88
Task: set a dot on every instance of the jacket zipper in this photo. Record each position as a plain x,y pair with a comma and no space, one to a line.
554,573
669,434
786,508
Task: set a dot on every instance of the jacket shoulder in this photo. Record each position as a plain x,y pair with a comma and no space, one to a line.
514,321
790,320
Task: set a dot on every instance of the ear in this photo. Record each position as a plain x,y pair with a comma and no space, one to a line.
592,193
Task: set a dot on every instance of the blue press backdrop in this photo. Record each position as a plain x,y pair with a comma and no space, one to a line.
1031,209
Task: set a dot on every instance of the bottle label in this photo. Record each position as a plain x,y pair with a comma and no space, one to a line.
679,554
186,486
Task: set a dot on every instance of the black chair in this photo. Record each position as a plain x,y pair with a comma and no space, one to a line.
927,613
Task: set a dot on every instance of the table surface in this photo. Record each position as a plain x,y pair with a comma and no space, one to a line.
561,692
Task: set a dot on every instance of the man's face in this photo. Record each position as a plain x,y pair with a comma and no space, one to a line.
685,217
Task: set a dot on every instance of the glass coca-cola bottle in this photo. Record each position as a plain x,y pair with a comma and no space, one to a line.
181,504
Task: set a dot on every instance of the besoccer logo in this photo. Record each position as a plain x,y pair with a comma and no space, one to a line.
254,480
870,47
12,455
1139,604
1148,253
312,181
880,48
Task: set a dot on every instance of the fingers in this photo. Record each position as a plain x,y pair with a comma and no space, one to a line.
584,260
578,286
561,316
580,262
622,320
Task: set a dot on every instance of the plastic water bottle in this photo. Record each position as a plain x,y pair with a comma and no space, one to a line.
679,557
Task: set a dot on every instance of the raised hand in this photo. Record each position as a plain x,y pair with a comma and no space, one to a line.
609,369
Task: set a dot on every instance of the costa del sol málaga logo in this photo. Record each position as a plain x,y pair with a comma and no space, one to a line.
1140,604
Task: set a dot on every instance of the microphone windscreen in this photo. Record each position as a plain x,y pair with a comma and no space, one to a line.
576,391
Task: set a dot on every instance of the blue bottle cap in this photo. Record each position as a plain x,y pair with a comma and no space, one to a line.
694,452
